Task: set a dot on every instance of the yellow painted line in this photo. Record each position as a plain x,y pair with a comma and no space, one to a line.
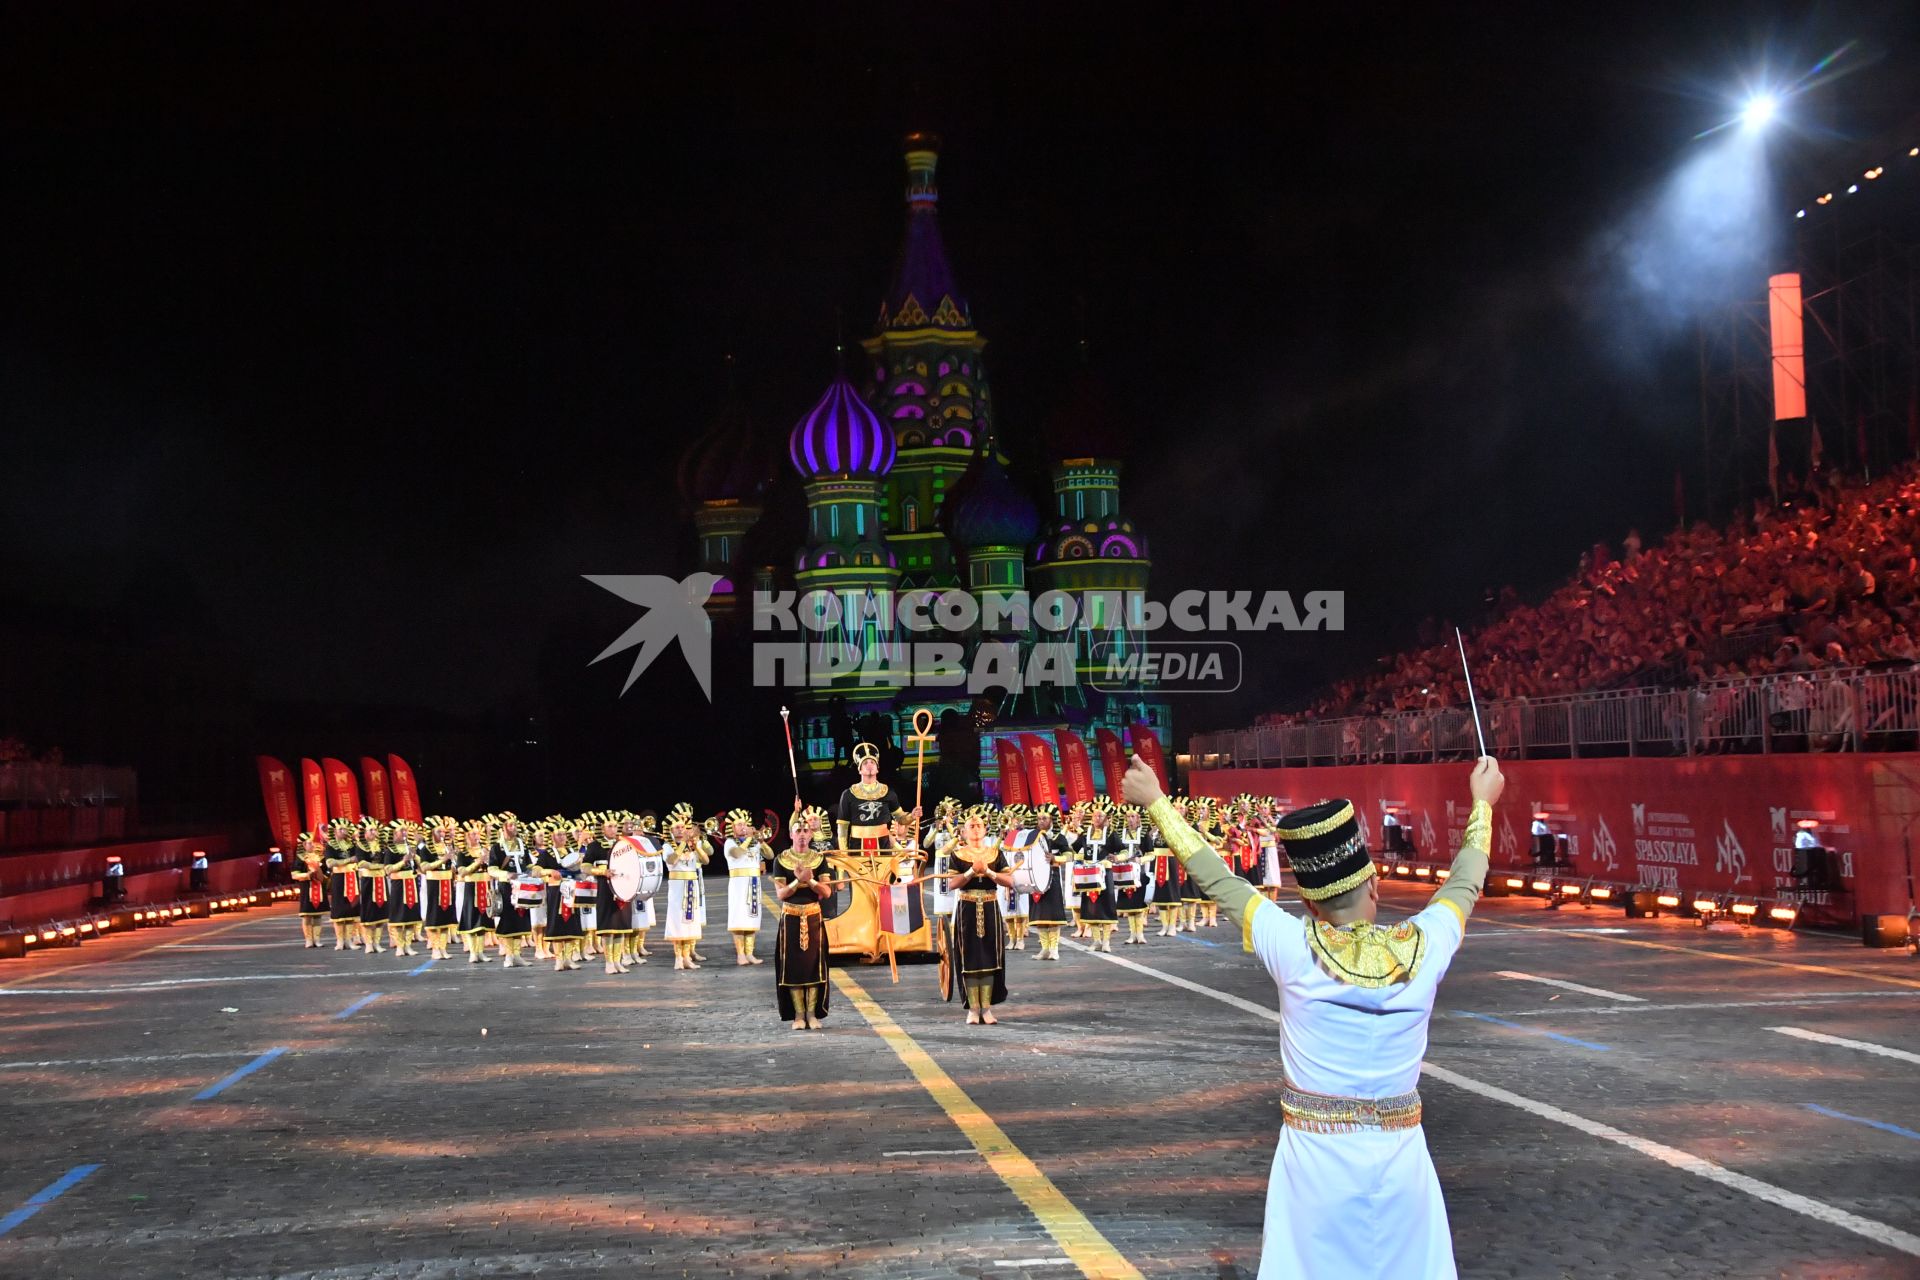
1090,1251
131,955
1862,974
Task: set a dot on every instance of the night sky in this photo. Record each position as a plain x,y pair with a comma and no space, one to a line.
336,349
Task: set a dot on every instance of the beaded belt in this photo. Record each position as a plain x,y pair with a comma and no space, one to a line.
805,909
1324,1113
979,895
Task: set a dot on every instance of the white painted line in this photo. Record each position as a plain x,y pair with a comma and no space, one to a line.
1828,997
292,944
1878,1232
169,982
145,1057
1864,1046
1571,986
945,1151
1034,1262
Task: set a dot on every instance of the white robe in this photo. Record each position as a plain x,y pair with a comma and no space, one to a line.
943,897
744,868
1360,1204
686,913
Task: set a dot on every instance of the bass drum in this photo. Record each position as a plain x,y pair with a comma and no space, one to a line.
1033,869
624,865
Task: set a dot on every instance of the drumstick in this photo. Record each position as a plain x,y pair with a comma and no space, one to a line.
1471,700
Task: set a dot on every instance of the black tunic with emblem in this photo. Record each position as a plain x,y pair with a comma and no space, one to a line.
1134,847
978,940
611,916
800,947
1090,849
563,916
510,919
1050,908
402,884
340,873
443,894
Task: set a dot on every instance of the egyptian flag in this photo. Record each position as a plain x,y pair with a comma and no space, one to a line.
343,792
313,787
406,789
276,789
375,775
1113,760
896,915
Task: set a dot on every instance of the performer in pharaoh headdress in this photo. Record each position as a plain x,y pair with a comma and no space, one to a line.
746,852
1131,869
613,917
310,874
1170,880
977,941
908,911
686,853
641,829
1020,841
343,885
1050,907
371,868
557,861
867,808
477,890
403,889
946,816
1202,910
439,868
511,870
800,948
1098,847
1265,820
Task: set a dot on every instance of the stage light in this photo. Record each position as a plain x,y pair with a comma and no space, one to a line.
1570,890
1875,172
1668,900
1759,111
1705,906
1601,892
1825,199
1543,886
1853,188
1785,915
1423,871
1746,910
1515,882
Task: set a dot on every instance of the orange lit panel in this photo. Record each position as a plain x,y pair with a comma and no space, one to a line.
1543,886
1705,906
1744,909
1515,884
1782,913
1789,347
1602,893
1667,900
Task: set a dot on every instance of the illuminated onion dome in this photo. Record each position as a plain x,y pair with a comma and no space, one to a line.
725,463
1112,537
990,510
841,436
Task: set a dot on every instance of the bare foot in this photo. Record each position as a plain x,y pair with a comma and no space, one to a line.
989,1019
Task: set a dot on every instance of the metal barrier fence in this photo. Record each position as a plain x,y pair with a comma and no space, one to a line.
1842,710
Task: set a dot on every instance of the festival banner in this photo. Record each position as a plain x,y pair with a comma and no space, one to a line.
313,786
1075,767
1043,784
1113,760
1707,825
374,774
343,790
1146,745
276,789
1013,772
406,790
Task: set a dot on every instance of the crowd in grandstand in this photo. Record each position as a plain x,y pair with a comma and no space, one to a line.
1825,580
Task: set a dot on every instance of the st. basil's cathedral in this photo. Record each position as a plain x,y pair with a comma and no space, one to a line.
907,490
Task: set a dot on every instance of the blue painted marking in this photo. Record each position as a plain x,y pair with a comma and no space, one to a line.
46,1196
1187,937
1537,1031
1877,1124
259,1062
357,1006
414,973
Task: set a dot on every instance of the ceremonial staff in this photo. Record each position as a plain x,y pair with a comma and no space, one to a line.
792,768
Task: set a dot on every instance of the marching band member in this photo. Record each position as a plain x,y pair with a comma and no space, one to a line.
867,807
800,948
978,941
403,890
1073,828
371,868
686,852
641,828
1136,847
746,853
945,815
614,917
902,874
1016,901
586,887
1200,909
507,865
343,885
1050,906
476,892
1268,843
1097,848
310,873
555,863
1169,882
439,865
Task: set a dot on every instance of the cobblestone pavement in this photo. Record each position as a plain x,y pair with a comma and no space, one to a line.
451,1121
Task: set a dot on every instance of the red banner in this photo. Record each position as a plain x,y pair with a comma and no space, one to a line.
406,790
313,786
276,789
343,791
1075,767
1013,773
374,774
1042,782
1146,745
1716,824
1113,760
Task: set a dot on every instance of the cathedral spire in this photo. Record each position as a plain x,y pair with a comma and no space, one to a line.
923,294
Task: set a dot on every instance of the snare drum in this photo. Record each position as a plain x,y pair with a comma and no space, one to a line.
1089,879
1127,876
529,891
